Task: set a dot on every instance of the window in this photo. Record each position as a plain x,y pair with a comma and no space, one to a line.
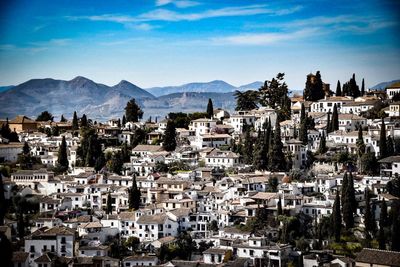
63,240
127,264
32,249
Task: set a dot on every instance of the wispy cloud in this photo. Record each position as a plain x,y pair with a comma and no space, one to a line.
177,3
162,14
34,47
268,38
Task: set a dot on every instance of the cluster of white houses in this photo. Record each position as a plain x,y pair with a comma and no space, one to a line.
211,200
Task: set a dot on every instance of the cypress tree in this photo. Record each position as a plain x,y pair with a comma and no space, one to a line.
75,125
279,209
383,151
360,148
277,161
109,205
369,220
345,183
383,216
2,201
63,119
84,122
169,139
123,121
335,119
62,160
302,112
382,238
395,231
259,153
328,123
390,146
351,193
322,144
134,195
210,109
362,88
336,218
348,204
248,148
338,89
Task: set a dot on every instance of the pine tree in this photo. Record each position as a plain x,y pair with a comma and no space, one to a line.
169,139
338,89
277,161
248,147
133,112
336,218
84,122
369,220
210,109
62,160
109,205
383,151
335,119
362,88
134,195
75,125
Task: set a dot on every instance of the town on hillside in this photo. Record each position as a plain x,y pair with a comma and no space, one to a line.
284,180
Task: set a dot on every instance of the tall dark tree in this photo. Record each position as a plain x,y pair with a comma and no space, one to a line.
123,121
338,89
5,130
302,112
383,216
335,119
55,131
248,147
351,88
279,208
277,161
314,87
100,162
336,218
109,204
2,201
62,160
328,123
390,146
260,153
348,199
210,109
383,151
362,87
133,112
395,231
84,121
322,144
246,100
134,195
169,139
45,116
360,148
6,252
369,220
90,147
381,238
116,163
303,132
75,125
26,150
63,119
275,93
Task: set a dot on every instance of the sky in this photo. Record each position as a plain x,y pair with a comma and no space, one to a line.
172,42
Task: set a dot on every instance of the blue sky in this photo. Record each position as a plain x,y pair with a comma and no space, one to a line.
171,42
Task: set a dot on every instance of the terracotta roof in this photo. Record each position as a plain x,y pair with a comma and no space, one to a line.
150,148
19,256
152,219
379,257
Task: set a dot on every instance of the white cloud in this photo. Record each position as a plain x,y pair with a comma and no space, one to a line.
262,38
177,3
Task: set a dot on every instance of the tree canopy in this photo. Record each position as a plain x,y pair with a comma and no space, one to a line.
133,112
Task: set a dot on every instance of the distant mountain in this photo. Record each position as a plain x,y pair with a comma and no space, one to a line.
250,86
383,85
5,88
213,86
96,100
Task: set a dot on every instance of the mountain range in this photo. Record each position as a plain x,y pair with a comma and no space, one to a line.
101,102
